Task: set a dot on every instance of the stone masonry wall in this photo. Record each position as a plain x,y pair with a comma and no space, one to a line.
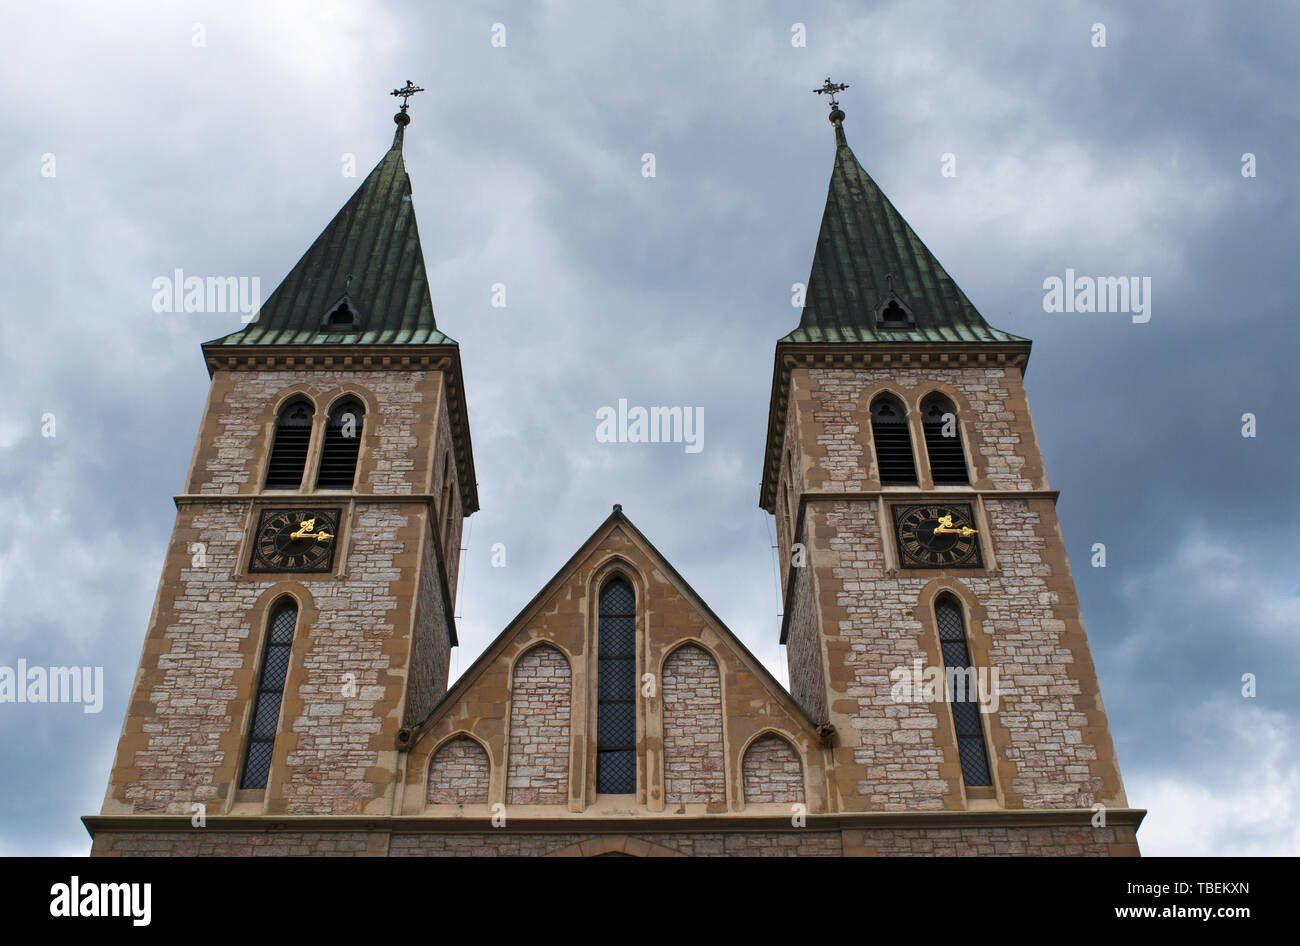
805,842
772,772
239,425
1048,731
833,437
459,774
694,766
539,729
1050,743
804,648
186,727
431,649
185,733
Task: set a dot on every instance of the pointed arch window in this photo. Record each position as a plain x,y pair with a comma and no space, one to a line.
893,442
289,451
963,694
338,459
616,690
943,442
270,692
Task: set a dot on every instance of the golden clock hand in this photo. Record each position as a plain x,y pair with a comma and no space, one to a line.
305,528
947,530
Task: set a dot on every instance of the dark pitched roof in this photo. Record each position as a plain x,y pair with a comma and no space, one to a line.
863,241
374,239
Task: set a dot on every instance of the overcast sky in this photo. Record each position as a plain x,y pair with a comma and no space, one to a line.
211,137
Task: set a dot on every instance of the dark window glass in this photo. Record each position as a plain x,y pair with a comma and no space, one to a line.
338,459
943,442
965,705
616,690
893,442
289,452
266,703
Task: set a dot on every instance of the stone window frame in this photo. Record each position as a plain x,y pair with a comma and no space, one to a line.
977,797
331,397
285,400
792,743
911,423
336,402
261,616
616,565
975,471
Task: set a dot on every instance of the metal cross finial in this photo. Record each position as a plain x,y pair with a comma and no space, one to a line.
830,88
406,92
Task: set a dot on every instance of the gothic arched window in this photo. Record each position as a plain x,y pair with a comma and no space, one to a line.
338,459
270,691
893,442
943,441
289,451
963,693
616,690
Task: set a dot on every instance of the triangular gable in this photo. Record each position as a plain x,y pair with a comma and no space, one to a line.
616,522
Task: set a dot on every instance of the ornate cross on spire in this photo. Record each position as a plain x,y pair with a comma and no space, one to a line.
830,88
836,116
405,92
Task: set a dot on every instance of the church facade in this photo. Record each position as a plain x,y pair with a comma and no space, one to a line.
292,696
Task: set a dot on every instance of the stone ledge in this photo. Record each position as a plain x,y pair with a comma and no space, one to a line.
872,820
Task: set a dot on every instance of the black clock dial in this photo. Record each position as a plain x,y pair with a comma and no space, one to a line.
295,540
919,546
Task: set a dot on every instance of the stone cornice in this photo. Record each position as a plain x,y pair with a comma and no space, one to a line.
790,355
280,497
585,823
444,358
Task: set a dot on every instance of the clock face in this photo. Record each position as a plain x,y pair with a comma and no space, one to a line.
937,535
295,540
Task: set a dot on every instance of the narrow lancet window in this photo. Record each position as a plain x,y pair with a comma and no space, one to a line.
963,693
893,442
289,451
943,442
616,690
270,692
338,459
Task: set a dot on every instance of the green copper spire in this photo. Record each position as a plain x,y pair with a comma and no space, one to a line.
363,281
872,279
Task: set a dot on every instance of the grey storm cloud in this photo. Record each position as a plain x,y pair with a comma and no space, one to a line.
226,157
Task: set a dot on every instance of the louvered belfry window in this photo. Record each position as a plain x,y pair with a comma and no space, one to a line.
893,442
270,691
966,710
338,459
289,451
943,442
616,690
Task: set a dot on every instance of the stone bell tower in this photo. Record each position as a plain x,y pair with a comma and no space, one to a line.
304,616
920,543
